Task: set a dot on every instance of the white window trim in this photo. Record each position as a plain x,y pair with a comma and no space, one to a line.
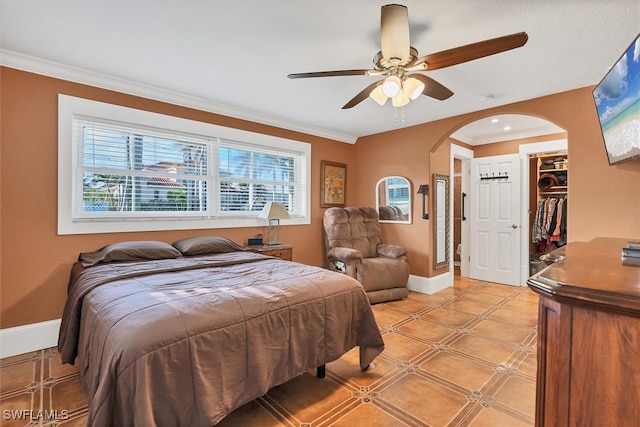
69,106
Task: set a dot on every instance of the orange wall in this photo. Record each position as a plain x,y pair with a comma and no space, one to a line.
35,261
604,200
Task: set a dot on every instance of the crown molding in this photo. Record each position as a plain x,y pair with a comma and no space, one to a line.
77,75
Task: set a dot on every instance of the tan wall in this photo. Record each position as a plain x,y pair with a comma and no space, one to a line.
604,200
35,261
403,152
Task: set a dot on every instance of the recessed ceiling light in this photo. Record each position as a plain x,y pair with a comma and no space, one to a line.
494,120
487,97
507,127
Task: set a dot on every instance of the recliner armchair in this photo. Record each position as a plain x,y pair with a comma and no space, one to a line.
354,246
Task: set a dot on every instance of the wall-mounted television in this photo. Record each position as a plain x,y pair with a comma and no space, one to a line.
617,99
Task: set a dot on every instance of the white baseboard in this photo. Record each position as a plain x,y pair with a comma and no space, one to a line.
26,338
430,285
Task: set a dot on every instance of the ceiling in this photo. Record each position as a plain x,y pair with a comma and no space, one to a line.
504,127
232,57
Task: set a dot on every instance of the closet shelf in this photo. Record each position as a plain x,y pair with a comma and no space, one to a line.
544,194
541,171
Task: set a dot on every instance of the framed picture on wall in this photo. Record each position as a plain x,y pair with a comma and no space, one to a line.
333,181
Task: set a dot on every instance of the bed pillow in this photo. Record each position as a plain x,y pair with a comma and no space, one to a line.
206,245
129,251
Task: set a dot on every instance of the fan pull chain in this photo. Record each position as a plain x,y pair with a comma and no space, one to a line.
395,114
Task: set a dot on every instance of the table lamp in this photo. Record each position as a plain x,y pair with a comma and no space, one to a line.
274,212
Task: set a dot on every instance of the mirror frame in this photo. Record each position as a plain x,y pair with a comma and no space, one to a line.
410,201
440,217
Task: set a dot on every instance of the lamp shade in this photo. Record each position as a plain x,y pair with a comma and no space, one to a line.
391,86
423,189
378,96
401,99
274,210
413,87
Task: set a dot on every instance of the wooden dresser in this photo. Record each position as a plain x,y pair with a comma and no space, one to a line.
588,337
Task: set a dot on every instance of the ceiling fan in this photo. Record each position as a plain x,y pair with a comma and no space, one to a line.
398,61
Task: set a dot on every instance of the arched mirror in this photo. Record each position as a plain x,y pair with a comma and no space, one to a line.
440,218
393,200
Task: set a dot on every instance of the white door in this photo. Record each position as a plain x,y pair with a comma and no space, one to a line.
494,227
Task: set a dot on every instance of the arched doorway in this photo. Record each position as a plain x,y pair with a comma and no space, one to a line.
496,135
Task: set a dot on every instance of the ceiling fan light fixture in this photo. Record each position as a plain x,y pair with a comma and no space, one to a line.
413,87
397,60
391,86
378,96
401,99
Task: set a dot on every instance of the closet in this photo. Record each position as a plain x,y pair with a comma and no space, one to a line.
549,201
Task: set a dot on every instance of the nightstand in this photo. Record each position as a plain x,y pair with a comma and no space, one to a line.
284,252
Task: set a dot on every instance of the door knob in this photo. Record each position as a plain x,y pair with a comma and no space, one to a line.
514,225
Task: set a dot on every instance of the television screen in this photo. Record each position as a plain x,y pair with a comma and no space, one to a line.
617,99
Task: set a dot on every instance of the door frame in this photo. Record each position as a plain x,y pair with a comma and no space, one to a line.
524,151
465,155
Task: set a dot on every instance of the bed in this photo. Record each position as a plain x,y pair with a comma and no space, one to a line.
184,334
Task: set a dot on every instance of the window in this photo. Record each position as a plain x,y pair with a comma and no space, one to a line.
122,169
127,172
250,178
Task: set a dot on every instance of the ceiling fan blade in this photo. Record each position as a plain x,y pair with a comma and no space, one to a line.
362,95
432,88
329,74
472,51
394,32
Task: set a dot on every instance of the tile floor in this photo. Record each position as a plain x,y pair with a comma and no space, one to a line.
465,356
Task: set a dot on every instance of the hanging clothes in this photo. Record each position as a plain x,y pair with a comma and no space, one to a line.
550,223
555,224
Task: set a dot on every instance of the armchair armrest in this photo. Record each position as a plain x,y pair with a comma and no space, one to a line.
344,254
344,260
390,251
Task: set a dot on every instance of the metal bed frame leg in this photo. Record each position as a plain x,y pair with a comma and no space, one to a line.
321,371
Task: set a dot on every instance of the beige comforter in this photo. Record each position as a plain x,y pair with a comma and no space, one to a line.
183,342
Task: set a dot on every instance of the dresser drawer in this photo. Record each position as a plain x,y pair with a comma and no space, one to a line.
284,252
279,253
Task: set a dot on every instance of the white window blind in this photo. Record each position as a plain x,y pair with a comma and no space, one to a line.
127,172
122,169
248,178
